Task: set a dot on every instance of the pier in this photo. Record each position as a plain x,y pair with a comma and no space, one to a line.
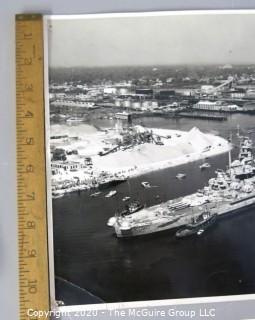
203,116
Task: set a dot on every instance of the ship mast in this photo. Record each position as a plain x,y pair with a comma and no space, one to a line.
229,155
238,131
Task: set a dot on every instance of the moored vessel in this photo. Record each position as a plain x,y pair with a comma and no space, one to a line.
226,193
202,222
110,182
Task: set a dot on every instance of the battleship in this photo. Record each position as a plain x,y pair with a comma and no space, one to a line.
229,192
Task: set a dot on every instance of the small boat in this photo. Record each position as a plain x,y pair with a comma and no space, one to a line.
111,194
198,225
71,120
146,184
205,166
132,208
58,194
95,194
111,222
180,176
135,206
200,231
126,199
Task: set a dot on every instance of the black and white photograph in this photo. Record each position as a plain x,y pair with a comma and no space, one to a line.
151,135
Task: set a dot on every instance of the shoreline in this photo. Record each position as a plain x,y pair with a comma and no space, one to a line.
81,188
184,147
165,164
213,146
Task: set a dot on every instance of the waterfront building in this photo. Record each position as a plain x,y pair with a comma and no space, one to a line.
110,90
136,105
124,121
72,103
237,94
144,93
234,93
118,102
149,105
250,93
126,103
57,166
216,106
249,106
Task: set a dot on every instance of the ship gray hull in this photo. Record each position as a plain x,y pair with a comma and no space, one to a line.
222,210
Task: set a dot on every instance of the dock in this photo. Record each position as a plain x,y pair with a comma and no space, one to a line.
203,116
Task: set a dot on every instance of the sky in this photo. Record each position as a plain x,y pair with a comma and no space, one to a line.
152,40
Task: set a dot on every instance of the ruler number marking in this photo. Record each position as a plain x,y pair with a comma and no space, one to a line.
27,36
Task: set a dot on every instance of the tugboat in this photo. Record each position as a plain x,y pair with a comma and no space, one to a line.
133,207
198,225
130,209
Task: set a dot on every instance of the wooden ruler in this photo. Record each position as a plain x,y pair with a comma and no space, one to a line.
32,205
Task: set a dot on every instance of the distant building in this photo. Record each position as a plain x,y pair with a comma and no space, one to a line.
149,105
238,93
165,94
226,66
169,80
207,89
147,92
71,103
123,91
110,90
66,165
216,106
185,92
88,161
124,103
249,106
124,120
136,105
250,93
234,93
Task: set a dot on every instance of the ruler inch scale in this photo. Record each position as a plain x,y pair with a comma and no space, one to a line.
31,169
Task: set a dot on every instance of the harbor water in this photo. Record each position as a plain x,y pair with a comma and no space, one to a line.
87,253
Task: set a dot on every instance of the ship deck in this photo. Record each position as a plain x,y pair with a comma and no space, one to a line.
161,213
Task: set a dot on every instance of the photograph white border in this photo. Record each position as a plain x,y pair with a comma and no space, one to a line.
120,305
